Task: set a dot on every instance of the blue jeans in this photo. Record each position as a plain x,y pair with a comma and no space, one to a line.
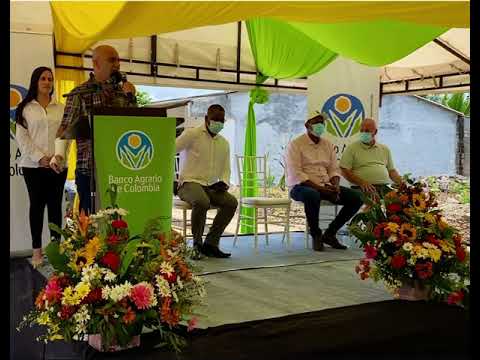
349,198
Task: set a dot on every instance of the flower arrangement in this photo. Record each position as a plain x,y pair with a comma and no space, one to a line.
108,284
407,242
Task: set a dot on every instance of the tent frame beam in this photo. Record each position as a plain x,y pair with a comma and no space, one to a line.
408,87
154,70
451,50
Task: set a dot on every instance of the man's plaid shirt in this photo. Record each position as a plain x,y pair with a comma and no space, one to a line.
78,107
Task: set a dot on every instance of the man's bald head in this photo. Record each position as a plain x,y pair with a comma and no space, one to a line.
368,125
105,61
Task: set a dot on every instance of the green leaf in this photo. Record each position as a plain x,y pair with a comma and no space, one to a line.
56,259
128,255
58,230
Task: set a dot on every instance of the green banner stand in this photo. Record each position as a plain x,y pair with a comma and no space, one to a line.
134,148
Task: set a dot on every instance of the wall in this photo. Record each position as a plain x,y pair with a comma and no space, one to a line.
277,122
421,136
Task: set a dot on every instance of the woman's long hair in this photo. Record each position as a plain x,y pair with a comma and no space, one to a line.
31,94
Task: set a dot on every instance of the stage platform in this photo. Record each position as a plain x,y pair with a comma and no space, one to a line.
274,302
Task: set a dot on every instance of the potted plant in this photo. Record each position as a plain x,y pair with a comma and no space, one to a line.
108,286
411,248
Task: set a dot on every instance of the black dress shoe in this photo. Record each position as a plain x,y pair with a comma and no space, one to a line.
331,240
198,252
213,251
317,242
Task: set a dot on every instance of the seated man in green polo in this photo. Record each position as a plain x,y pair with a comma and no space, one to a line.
367,164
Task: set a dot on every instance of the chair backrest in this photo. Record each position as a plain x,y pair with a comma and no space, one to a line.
252,173
177,167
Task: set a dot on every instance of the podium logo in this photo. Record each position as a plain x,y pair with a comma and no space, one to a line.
345,113
134,150
17,94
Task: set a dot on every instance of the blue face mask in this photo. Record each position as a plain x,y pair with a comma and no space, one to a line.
318,129
215,126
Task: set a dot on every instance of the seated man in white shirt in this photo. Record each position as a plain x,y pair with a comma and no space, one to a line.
313,175
204,180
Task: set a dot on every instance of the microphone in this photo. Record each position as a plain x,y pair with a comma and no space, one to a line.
115,78
123,78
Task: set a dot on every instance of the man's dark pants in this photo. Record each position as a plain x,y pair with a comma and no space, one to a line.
311,198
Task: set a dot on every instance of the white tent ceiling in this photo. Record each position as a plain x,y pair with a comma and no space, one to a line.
213,50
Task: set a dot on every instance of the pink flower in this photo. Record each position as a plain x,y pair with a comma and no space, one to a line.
142,295
192,323
53,291
370,251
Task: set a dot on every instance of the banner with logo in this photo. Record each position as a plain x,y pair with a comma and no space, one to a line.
346,92
137,154
27,52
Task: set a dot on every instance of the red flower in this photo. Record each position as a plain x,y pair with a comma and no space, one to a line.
93,296
170,278
377,232
398,261
119,224
111,260
424,271
113,240
461,254
394,208
387,232
370,251
396,219
457,239
431,238
455,297
67,311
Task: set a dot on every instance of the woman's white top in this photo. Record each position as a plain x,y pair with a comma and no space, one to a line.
38,140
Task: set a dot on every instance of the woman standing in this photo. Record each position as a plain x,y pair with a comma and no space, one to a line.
38,118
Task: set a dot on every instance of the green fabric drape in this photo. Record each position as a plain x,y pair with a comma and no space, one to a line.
249,168
294,49
282,51
373,43
249,179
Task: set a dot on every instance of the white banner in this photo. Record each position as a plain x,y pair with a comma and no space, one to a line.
27,51
347,92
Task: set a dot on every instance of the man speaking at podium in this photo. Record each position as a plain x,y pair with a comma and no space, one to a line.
101,90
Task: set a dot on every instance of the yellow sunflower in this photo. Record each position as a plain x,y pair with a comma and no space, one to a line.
419,201
408,231
80,259
393,227
92,247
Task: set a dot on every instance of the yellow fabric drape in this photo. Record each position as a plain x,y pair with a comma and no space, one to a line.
78,25
65,81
